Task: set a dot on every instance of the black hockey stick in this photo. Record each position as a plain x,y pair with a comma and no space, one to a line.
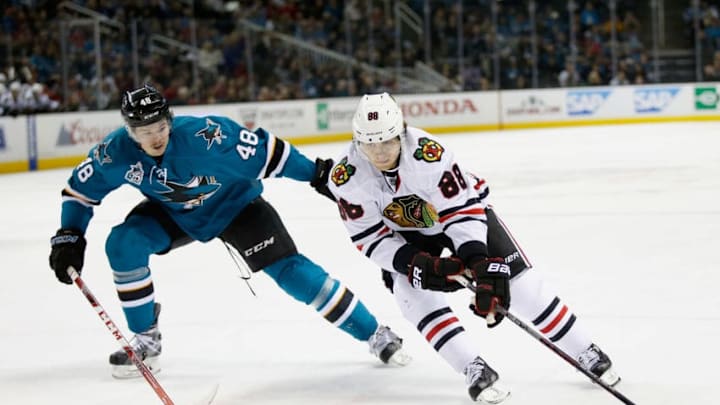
542,339
144,370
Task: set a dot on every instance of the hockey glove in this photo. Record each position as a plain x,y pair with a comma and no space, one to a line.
492,283
67,249
320,177
431,272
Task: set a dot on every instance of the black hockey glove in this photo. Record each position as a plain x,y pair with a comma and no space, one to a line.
492,283
431,272
320,178
68,249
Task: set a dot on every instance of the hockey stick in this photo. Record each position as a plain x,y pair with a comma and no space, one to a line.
164,397
542,339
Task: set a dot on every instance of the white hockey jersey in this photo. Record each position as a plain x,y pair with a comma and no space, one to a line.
429,193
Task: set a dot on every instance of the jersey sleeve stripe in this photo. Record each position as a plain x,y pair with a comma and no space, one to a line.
462,220
277,156
270,148
472,211
469,203
367,232
68,194
375,244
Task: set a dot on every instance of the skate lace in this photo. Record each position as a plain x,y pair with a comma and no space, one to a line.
589,358
146,342
474,371
382,337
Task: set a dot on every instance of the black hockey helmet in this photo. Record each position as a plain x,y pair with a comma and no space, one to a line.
144,106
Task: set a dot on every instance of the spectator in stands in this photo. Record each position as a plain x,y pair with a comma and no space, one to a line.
711,71
589,17
594,78
3,99
209,60
10,101
620,78
569,76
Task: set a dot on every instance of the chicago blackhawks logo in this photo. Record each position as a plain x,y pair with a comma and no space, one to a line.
411,211
429,150
342,172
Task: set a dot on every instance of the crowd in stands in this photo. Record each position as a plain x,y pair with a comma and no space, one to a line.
709,36
22,95
36,64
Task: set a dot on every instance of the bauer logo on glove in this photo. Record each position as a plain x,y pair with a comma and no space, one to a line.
498,268
492,283
431,272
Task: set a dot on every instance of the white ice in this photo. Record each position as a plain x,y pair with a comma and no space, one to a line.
624,221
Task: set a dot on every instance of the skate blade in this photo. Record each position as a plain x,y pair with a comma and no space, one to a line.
610,377
399,359
124,372
494,394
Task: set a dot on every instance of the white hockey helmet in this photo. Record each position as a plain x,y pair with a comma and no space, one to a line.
378,118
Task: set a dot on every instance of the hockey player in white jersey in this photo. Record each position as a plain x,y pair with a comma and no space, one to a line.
404,199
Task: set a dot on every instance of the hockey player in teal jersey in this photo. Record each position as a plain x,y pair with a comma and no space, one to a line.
201,178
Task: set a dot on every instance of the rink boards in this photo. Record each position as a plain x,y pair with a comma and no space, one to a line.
62,139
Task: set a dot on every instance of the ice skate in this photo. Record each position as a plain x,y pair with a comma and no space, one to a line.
598,363
483,385
387,346
146,345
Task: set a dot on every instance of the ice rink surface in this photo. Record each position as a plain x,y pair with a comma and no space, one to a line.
624,221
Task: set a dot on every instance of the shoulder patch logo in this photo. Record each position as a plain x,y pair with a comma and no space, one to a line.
342,172
135,174
100,154
411,211
429,150
211,133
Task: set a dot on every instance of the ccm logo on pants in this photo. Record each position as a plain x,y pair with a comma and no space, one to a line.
260,246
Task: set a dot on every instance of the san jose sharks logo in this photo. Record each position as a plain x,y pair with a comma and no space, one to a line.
100,154
342,172
190,194
429,150
211,133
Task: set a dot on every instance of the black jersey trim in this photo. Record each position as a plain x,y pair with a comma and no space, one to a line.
461,220
87,201
469,202
375,244
275,158
367,232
